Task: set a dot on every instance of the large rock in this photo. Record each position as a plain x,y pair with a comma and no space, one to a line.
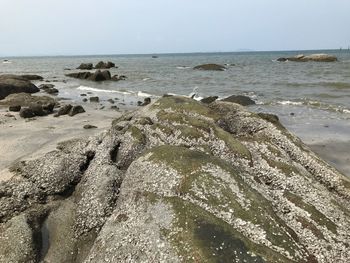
97,76
25,100
240,99
85,66
104,65
313,57
10,85
214,67
182,181
100,75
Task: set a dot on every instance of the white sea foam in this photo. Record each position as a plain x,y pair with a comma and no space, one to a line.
103,90
145,79
183,67
143,94
288,102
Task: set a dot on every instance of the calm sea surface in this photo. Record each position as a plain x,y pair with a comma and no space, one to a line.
311,99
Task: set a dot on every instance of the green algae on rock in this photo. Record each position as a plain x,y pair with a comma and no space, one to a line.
180,181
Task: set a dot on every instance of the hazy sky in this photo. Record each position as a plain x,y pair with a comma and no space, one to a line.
65,27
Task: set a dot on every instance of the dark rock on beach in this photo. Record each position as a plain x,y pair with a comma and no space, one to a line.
213,67
10,84
239,99
15,108
49,88
64,110
145,102
26,113
178,181
89,126
94,99
313,57
209,99
85,66
76,110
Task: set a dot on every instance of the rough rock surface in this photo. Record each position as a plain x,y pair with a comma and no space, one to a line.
97,76
85,66
214,67
178,181
10,84
313,57
104,65
239,99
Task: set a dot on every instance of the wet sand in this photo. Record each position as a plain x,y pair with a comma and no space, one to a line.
22,139
336,153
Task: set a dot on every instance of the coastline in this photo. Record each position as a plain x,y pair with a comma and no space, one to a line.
27,139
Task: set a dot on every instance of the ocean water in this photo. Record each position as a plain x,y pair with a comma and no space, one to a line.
311,99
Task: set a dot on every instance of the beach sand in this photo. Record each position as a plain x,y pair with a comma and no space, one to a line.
21,139
336,153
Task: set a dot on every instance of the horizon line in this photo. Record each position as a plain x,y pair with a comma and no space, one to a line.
167,53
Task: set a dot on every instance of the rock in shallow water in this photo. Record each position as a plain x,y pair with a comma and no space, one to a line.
181,181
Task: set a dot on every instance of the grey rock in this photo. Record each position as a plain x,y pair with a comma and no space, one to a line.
239,99
85,66
26,113
15,108
76,110
14,84
94,99
211,67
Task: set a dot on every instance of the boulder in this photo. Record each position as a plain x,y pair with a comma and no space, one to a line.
38,110
100,76
239,99
76,110
25,100
104,65
145,102
85,66
313,57
214,67
209,99
178,181
94,99
26,113
15,108
64,110
49,88
10,85
80,75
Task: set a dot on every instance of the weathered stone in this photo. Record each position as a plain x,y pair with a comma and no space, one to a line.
239,99
76,110
313,57
213,67
10,84
183,181
26,113
85,66
94,99
15,108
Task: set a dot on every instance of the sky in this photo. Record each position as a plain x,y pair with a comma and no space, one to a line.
87,27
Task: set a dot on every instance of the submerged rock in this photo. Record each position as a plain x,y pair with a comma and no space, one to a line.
209,99
182,181
214,67
313,57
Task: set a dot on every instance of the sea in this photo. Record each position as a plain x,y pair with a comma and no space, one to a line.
311,99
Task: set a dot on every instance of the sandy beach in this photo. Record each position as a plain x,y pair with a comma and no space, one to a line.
22,139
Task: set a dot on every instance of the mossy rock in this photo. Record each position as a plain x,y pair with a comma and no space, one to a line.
183,104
